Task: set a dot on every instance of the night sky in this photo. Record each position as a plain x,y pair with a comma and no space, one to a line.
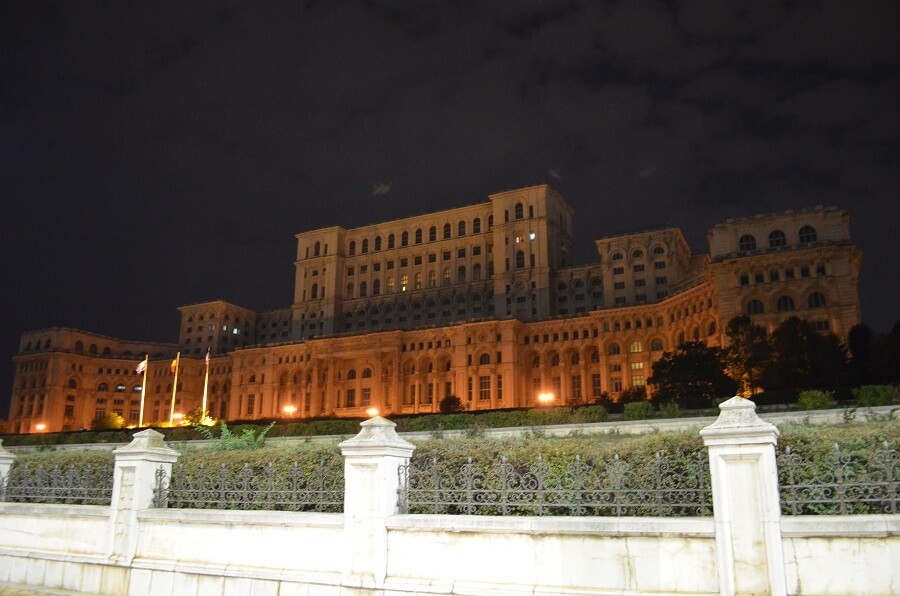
158,154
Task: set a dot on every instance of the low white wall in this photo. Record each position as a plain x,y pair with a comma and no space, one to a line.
450,554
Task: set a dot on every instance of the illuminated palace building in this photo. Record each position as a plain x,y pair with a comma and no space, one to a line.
480,302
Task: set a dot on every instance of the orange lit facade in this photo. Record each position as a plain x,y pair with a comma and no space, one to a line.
481,302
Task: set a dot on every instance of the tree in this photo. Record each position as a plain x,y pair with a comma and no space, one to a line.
111,421
746,354
197,416
803,359
691,376
450,404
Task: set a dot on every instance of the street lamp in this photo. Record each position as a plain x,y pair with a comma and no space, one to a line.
372,412
289,410
40,427
545,398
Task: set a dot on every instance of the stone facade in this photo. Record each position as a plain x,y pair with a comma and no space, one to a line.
481,302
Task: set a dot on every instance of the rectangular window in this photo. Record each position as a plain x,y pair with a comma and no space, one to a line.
351,398
616,384
460,253
476,250
637,380
619,285
804,271
499,387
432,257
251,402
445,256
417,260
366,397
620,300
469,389
659,265
640,283
576,387
404,262
638,268
661,281
484,388
390,264
618,270
557,386
596,391
70,411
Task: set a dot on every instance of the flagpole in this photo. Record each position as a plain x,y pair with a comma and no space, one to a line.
143,390
174,390
203,415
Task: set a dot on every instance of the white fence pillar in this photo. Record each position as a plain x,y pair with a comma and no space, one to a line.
6,460
134,479
371,463
746,505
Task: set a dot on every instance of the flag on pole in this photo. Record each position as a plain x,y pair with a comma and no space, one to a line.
174,366
142,365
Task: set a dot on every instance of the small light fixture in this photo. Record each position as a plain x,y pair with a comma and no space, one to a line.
40,426
372,412
545,398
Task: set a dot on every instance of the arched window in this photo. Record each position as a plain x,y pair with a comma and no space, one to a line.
446,231
317,249
446,276
490,221
613,349
432,278
808,234
404,239
755,307
554,359
711,328
747,242
536,362
476,272
637,254
784,304
390,285
635,347
520,259
367,373
777,238
417,281
252,379
432,234
519,212
376,287
659,250
695,334
461,228
575,359
79,346
390,241
351,249
362,289
73,384
404,282
816,300
476,226
617,256
656,345
461,274
92,349
350,290
102,387
484,359
351,374
419,236
377,242
365,245
314,292
594,356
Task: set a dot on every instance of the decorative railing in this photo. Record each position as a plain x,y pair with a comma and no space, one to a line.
296,489
841,483
659,487
75,485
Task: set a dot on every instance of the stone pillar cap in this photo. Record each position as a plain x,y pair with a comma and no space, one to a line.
737,418
375,434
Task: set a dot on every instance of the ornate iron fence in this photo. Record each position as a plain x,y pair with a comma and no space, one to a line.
322,489
840,483
76,485
659,487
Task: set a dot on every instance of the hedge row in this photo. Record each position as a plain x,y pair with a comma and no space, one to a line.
866,396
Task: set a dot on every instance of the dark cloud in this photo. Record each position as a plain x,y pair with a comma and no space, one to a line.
152,156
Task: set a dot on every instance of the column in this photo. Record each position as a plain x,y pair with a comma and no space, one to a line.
371,462
6,460
746,504
134,479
